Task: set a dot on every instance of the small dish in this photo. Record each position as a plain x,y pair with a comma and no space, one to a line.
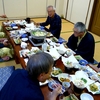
86,96
8,28
55,72
98,74
94,88
66,84
83,62
63,77
24,39
35,49
17,41
15,27
23,45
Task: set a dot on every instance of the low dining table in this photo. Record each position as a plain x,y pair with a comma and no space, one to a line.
59,64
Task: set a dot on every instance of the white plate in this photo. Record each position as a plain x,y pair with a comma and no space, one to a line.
81,81
24,39
35,49
53,52
86,96
71,59
81,74
70,52
65,76
53,69
25,52
96,92
43,83
15,27
61,49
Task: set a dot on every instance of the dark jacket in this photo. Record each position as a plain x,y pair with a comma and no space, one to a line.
85,48
55,25
21,87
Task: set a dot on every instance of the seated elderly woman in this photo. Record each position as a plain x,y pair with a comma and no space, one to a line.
5,52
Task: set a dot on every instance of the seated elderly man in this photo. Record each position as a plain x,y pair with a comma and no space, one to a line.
54,21
5,52
82,42
23,84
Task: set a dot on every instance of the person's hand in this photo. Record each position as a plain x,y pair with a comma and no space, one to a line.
5,42
3,16
37,24
55,92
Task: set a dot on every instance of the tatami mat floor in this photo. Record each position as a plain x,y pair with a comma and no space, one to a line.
67,30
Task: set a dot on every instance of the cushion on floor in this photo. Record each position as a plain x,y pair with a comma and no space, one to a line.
5,73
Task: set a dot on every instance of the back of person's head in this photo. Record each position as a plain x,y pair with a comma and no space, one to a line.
80,26
39,63
50,6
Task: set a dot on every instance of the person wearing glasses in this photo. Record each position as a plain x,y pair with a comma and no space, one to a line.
54,21
82,42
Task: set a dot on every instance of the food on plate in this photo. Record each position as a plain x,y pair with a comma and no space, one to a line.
93,87
17,41
54,39
73,97
54,57
48,47
49,34
8,28
78,57
56,72
69,52
93,77
83,79
35,51
66,84
98,75
39,33
80,83
69,64
64,79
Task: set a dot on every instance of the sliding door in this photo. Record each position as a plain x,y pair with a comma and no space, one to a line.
15,8
51,2
77,10
1,8
36,8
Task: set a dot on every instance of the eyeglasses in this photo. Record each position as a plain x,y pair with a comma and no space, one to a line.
76,31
